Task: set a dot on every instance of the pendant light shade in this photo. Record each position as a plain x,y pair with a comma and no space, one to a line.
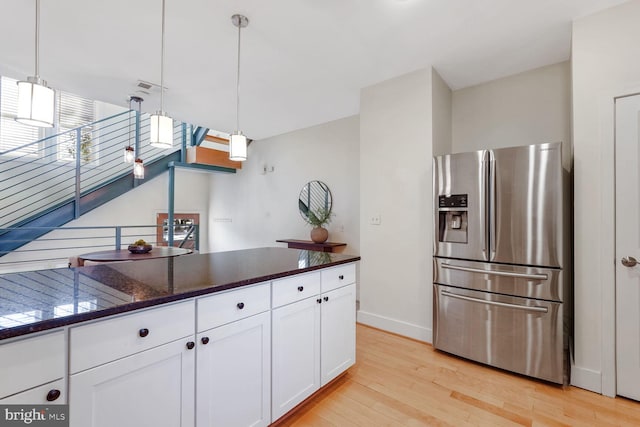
129,154
237,141
238,147
36,101
138,169
161,131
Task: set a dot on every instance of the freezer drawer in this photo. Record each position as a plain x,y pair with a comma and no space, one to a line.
526,282
516,334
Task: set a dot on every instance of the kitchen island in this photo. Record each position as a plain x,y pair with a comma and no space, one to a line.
233,338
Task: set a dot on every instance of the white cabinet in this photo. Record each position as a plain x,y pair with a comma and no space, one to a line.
33,370
133,370
313,339
151,388
295,353
337,332
233,372
242,357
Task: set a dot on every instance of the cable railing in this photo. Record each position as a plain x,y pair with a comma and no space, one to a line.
43,174
60,246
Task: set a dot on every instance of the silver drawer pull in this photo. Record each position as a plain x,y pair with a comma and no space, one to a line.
496,303
496,273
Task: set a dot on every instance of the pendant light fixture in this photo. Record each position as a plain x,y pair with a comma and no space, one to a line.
138,169
237,141
161,131
129,152
36,101
138,165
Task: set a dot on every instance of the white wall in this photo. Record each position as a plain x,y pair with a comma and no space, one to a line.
605,64
442,112
136,207
527,108
395,183
254,209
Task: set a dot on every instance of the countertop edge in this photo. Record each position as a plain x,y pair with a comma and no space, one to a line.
51,324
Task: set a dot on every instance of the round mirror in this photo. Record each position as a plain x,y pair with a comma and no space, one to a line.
314,202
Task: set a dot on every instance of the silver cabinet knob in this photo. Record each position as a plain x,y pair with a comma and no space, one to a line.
629,261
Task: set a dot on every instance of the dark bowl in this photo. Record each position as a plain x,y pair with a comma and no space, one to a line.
140,249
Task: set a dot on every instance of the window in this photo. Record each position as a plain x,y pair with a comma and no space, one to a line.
72,111
15,137
183,229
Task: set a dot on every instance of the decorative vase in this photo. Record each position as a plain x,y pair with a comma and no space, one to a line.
319,234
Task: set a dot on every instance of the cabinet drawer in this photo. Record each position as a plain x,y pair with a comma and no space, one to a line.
336,277
31,362
40,395
296,288
226,307
113,338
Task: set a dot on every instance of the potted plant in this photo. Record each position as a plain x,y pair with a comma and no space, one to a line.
318,219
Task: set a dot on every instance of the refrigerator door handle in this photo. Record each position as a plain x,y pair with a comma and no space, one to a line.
483,206
496,272
491,214
536,309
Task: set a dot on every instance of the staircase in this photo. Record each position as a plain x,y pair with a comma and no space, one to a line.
49,182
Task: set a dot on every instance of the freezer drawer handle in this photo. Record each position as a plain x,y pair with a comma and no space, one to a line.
496,303
496,273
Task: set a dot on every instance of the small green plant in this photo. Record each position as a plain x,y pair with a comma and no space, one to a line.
319,218
85,146
139,242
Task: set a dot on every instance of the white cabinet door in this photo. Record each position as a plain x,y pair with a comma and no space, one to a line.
233,374
152,388
338,332
295,354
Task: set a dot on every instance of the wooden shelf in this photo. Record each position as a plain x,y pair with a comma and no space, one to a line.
311,246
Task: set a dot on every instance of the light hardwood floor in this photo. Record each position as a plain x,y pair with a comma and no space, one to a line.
400,382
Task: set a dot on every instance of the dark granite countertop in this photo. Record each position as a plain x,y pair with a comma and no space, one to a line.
39,300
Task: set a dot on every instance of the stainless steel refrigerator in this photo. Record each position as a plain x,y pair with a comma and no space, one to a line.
502,260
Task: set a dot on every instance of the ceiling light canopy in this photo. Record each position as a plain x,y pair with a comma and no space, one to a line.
161,130
36,101
237,141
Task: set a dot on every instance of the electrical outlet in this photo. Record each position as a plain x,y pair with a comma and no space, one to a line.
375,219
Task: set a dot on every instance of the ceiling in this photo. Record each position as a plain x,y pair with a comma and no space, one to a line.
303,61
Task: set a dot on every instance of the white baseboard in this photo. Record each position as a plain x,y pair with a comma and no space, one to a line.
399,327
586,378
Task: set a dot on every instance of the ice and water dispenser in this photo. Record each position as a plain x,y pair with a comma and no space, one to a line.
452,218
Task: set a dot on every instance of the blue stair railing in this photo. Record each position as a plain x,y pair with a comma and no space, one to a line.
49,182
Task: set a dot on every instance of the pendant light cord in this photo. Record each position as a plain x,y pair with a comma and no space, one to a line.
161,63
129,127
37,39
238,80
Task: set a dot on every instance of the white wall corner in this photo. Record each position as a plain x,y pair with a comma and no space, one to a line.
395,326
